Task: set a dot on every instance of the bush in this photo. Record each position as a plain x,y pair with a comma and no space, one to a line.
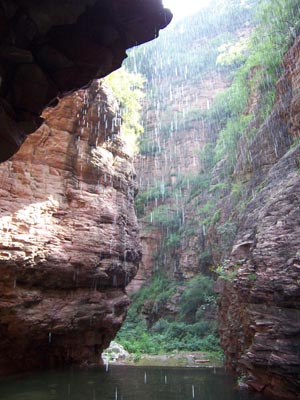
206,208
165,216
180,333
158,192
198,184
198,292
173,240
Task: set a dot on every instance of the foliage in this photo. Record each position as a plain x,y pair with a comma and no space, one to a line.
296,141
233,54
255,66
158,192
128,90
165,216
218,186
198,294
198,184
226,273
206,156
277,25
206,208
252,277
173,240
159,289
205,259
187,332
237,191
216,217
214,23
227,231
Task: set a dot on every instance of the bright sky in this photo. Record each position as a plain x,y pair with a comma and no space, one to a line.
182,8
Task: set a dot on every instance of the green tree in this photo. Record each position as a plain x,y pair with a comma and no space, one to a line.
198,292
128,90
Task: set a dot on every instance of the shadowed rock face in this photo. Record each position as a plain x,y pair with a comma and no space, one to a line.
259,310
52,47
69,236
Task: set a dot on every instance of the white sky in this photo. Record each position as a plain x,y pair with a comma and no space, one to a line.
182,8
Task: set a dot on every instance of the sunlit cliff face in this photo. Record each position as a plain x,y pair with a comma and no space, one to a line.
69,237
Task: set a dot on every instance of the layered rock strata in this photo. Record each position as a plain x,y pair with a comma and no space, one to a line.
260,307
50,48
178,157
69,237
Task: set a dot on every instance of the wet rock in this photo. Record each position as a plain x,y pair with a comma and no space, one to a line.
69,237
48,49
176,157
260,308
115,352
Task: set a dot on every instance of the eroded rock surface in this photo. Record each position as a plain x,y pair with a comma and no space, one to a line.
69,237
178,156
50,48
259,317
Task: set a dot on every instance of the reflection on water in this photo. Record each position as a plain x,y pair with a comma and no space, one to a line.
126,383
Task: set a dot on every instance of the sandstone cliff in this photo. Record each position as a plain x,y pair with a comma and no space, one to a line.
50,48
69,237
241,223
170,171
259,310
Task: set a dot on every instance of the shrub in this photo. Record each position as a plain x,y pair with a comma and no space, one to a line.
173,333
165,216
198,292
206,208
173,240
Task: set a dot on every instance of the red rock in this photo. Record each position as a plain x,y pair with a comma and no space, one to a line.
48,49
259,310
69,237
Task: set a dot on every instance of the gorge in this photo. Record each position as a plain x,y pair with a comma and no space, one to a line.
219,195
217,174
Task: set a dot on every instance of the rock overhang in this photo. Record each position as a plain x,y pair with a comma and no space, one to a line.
51,48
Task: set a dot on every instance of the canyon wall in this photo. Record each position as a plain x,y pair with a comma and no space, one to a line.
50,48
69,236
259,310
170,169
237,221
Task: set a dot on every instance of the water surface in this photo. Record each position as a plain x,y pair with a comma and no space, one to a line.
126,383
